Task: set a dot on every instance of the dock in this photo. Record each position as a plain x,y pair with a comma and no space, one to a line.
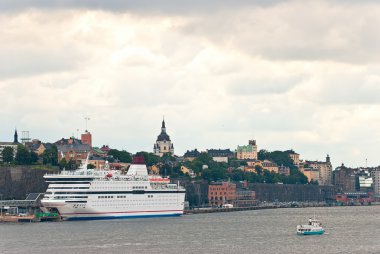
231,209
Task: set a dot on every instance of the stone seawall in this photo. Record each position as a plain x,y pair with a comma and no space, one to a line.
292,192
197,192
18,181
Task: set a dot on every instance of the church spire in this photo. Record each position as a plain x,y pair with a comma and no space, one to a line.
15,140
163,128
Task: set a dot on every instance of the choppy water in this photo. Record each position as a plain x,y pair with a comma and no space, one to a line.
348,230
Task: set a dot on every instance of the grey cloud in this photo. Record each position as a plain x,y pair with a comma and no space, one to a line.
159,6
296,31
26,62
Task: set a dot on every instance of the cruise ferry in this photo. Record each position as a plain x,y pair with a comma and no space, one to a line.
90,194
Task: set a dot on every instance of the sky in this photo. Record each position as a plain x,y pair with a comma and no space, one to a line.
301,75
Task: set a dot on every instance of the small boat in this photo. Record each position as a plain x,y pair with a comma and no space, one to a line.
313,228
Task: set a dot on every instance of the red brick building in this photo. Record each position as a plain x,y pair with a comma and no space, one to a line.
86,138
220,193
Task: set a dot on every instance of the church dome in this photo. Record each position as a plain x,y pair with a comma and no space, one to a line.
163,137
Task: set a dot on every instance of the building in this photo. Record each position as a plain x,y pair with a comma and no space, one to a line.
105,148
247,152
245,198
191,155
188,171
269,165
99,152
284,170
73,152
163,143
220,155
312,174
354,198
68,141
37,146
254,163
295,157
12,145
221,193
86,138
344,179
364,181
324,169
376,182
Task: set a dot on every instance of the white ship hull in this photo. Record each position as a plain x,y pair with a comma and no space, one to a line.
91,195
110,210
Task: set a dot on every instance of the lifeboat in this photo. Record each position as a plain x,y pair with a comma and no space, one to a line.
109,175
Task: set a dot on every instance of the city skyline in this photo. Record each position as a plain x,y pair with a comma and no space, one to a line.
299,75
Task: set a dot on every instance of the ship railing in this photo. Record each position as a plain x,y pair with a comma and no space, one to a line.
101,174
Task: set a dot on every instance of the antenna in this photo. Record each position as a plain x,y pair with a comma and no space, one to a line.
86,119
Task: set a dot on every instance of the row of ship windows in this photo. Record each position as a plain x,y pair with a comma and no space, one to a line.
70,188
68,197
134,204
118,187
131,200
101,197
121,182
149,196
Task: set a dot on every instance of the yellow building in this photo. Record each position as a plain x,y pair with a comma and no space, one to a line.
247,152
295,157
270,166
188,171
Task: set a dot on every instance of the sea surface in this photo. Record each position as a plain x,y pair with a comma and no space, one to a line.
348,230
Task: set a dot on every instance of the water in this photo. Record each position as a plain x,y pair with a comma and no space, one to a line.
348,230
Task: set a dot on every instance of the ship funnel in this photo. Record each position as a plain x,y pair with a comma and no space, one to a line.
138,160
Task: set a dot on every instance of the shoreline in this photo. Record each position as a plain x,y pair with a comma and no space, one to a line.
237,209
32,218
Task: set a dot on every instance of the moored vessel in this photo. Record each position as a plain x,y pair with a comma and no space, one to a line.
89,194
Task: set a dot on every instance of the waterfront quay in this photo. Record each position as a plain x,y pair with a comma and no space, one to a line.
231,209
265,205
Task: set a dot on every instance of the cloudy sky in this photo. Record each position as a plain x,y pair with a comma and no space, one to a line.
302,75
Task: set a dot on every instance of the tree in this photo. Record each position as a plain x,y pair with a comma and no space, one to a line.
7,154
71,165
122,156
33,157
63,163
23,156
50,156
149,158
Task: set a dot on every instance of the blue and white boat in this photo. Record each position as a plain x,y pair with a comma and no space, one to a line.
313,228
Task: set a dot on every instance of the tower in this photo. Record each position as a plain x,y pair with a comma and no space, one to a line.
86,138
15,140
163,143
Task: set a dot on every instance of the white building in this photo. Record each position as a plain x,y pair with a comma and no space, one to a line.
13,145
163,143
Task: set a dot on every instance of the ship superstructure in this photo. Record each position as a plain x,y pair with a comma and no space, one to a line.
110,194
